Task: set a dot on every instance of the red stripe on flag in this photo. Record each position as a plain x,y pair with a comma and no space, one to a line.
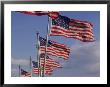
37,13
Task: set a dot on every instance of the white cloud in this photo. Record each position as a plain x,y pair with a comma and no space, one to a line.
14,72
16,61
84,60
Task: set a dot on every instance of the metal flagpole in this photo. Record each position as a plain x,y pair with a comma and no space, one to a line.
46,49
38,58
19,70
31,66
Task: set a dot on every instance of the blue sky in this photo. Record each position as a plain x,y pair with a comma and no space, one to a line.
84,58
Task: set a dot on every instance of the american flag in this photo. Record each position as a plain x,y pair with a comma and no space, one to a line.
36,70
25,73
37,13
54,48
49,61
48,70
71,28
52,14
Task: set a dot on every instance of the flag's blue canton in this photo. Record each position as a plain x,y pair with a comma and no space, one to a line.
61,21
23,72
43,42
35,65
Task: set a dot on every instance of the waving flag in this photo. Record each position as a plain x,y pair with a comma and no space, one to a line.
37,13
25,73
49,62
71,28
54,48
52,14
36,70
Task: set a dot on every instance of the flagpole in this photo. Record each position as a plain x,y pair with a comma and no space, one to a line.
31,65
38,58
19,70
43,75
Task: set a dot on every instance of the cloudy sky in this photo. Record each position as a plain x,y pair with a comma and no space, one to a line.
84,60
